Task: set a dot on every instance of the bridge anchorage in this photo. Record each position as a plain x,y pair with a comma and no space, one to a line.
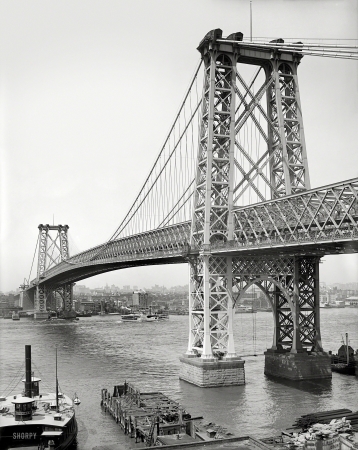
255,220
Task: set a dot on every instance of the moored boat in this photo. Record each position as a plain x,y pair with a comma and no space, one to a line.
15,315
344,361
34,419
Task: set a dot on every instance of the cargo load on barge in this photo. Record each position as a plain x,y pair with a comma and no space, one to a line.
153,418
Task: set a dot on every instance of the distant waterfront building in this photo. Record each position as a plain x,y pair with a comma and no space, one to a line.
87,306
81,289
352,301
140,299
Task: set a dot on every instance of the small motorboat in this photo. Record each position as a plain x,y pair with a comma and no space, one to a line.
149,318
76,400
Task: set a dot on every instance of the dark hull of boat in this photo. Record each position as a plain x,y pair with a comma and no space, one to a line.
28,435
346,369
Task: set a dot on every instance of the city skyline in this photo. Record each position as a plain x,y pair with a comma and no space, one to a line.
78,81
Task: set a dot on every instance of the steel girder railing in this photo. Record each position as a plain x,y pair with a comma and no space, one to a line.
160,243
329,213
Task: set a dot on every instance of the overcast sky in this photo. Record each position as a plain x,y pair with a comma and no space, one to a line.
90,88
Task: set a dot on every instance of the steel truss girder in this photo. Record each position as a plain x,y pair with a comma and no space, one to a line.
291,284
326,214
159,243
329,213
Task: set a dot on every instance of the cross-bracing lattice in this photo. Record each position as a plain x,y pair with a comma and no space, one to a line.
247,153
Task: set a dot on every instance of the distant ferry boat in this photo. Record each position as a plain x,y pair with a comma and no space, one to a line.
335,304
133,317
339,304
144,317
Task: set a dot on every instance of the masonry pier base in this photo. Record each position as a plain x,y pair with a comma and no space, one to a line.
298,366
212,372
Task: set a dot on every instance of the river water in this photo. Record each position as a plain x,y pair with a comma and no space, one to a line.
99,351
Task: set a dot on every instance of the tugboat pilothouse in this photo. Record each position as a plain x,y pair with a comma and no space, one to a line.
36,420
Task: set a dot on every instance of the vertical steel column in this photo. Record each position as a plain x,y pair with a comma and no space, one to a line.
42,256
64,247
289,167
210,310
40,298
308,334
67,297
276,332
296,341
40,293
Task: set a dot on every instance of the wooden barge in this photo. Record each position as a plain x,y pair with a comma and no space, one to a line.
153,418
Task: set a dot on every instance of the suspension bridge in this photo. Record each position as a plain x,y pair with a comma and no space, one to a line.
229,194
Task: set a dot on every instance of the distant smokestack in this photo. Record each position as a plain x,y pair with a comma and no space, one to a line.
28,381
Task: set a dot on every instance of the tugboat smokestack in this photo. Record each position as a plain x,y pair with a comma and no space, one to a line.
28,381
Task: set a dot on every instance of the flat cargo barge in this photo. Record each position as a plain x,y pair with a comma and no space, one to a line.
153,419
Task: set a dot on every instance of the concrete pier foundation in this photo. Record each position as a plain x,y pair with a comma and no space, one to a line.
298,366
212,372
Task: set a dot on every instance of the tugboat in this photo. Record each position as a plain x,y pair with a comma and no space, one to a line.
35,420
344,362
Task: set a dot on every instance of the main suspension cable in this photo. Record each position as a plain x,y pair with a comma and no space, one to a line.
33,259
126,219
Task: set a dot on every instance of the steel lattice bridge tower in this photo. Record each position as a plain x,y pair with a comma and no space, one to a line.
274,242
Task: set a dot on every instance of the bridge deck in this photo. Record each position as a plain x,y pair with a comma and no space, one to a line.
319,221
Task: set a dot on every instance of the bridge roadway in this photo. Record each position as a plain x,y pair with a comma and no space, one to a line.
321,221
